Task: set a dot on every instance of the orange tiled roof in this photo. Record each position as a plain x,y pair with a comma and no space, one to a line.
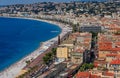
116,49
87,40
95,76
113,55
108,74
96,64
117,61
117,43
105,46
83,75
118,56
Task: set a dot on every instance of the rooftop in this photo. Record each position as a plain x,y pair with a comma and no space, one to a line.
108,74
111,55
95,76
108,42
83,75
114,62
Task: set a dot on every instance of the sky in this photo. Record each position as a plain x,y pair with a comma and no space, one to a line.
8,2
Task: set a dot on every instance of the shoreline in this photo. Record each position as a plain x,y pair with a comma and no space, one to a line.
13,70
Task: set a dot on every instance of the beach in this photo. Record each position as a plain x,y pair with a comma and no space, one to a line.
13,70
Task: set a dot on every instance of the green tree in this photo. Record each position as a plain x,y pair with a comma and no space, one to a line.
49,55
54,51
46,59
74,28
91,65
82,69
27,62
86,66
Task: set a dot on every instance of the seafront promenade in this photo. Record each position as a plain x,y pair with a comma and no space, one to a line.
15,69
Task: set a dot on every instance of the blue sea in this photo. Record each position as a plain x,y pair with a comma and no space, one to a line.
20,37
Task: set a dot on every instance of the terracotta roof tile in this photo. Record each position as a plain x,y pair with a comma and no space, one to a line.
117,61
108,74
105,46
112,55
95,64
83,75
95,76
118,56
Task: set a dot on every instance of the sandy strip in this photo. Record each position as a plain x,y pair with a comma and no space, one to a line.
14,69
